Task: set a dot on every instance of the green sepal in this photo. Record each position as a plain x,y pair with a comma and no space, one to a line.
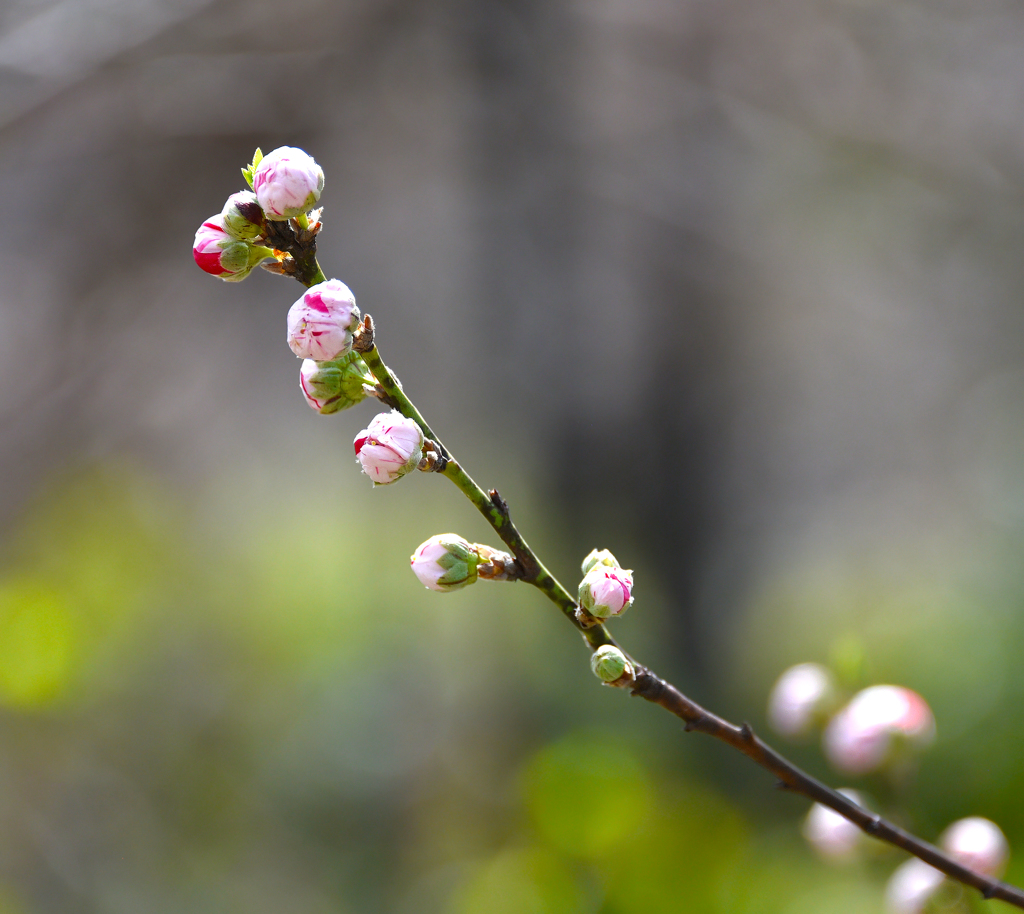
460,565
598,557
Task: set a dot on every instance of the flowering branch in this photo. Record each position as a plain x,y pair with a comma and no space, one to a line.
648,685
343,365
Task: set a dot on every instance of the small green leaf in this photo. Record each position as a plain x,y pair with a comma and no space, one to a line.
247,172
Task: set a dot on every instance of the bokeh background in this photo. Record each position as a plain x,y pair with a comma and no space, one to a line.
732,288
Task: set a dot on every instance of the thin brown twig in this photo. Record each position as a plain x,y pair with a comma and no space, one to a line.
653,688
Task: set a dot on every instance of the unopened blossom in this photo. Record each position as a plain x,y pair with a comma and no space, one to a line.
611,666
977,843
911,886
598,557
329,387
445,562
243,215
799,698
389,447
221,254
322,321
606,591
861,736
831,835
287,182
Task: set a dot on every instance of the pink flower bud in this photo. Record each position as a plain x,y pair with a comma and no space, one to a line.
799,698
606,591
910,887
977,843
219,253
860,737
833,837
287,182
320,324
389,447
445,562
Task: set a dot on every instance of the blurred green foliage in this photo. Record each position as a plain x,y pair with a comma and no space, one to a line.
221,702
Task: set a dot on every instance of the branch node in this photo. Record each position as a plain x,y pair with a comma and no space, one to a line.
433,460
499,566
498,502
362,339
873,825
747,732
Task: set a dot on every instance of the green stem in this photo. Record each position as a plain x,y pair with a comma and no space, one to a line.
389,384
318,276
490,505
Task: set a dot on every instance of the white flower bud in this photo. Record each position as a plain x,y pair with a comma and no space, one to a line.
287,182
977,843
860,738
322,321
910,887
446,562
801,697
606,591
833,837
389,447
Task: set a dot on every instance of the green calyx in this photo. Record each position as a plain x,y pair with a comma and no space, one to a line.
239,257
610,665
339,383
243,216
460,566
598,557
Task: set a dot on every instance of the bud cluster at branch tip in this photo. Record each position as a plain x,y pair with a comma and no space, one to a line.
331,386
611,666
389,447
606,589
322,321
285,184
